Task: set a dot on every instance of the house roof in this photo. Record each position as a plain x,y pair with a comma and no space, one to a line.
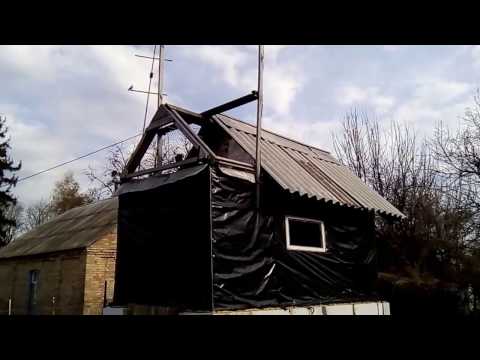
306,170
76,228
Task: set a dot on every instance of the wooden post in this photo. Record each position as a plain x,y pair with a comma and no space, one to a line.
105,294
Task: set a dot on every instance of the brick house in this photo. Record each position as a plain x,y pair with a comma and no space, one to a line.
65,266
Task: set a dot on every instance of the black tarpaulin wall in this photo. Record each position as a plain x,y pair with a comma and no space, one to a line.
256,269
164,247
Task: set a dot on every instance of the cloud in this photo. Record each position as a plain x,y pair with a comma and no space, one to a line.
65,101
236,66
227,59
369,97
475,52
433,101
393,48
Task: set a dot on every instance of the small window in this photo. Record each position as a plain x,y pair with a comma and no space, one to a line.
305,234
32,291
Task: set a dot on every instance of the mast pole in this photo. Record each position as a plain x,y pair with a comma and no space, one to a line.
258,157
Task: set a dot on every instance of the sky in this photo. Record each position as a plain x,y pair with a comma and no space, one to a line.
64,101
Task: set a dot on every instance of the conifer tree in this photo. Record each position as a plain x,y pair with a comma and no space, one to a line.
7,181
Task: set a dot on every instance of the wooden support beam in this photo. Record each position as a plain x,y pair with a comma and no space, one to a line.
231,104
182,125
137,155
161,124
238,164
161,168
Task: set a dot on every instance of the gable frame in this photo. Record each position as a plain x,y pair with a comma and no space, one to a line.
164,116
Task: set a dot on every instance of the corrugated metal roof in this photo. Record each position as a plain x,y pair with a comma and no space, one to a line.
77,228
306,170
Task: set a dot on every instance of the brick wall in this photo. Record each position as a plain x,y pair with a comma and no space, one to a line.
76,279
61,275
100,273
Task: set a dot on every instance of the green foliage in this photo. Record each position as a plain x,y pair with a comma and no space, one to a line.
66,195
7,181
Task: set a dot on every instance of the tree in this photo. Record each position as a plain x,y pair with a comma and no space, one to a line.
66,195
459,155
7,181
431,241
36,214
15,213
107,177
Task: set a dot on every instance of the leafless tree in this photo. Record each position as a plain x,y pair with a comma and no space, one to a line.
106,178
36,214
458,153
402,169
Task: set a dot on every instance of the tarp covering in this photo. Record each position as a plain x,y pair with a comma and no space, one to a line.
164,248
156,181
192,245
256,269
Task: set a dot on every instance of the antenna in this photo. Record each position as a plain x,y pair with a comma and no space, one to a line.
258,156
161,68
160,94
161,80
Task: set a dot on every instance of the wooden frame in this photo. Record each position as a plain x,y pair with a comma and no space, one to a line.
159,126
231,104
166,119
161,168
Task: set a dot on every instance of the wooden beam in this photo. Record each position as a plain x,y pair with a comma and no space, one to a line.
185,129
160,124
137,155
238,164
231,104
161,168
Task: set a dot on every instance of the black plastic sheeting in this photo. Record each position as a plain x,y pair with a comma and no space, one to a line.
192,244
164,247
155,181
256,270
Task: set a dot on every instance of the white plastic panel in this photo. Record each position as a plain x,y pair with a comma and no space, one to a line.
346,309
373,308
368,309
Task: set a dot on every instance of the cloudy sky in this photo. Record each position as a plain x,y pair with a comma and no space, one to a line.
63,101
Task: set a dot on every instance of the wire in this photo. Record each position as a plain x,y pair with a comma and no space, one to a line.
78,158
105,147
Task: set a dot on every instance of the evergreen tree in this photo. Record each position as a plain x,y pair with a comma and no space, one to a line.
7,181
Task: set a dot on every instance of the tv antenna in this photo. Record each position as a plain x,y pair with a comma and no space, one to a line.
160,91
161,78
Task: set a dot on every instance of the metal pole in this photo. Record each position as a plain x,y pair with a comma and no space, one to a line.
161,68
161,81
258,157
9,306
149,86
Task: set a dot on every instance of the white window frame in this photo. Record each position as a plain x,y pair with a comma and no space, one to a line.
321,249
